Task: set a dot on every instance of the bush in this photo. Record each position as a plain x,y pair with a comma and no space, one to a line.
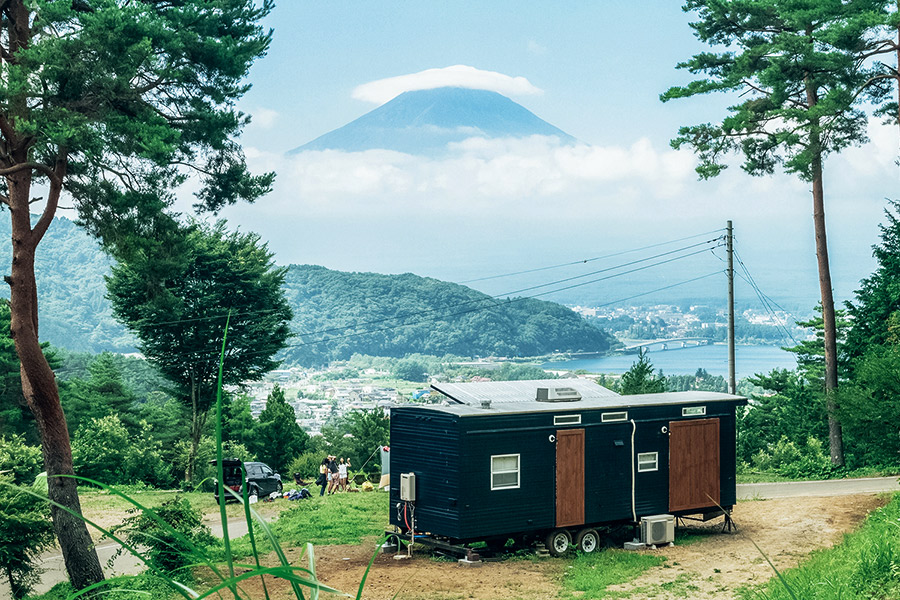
169,550
307,464
25,526
798,462
104,450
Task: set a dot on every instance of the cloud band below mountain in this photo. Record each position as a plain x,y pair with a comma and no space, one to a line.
384,90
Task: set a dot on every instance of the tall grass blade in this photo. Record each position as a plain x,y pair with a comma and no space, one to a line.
362,583
220,468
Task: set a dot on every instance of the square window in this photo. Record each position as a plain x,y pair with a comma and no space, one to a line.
504,471
647,461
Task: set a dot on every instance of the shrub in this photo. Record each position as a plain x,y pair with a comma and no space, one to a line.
167,547
790,460
104,450
25,526
307,464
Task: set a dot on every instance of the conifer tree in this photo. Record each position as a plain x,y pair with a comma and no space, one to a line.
116,102
279,439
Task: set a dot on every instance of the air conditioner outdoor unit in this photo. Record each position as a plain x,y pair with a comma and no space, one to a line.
658,529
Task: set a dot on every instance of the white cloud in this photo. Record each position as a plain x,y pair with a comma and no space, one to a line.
264,118
383,90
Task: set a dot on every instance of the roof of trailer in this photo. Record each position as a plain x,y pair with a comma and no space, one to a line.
524,401
497,392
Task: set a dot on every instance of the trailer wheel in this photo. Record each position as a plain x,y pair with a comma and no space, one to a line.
558,542
587,540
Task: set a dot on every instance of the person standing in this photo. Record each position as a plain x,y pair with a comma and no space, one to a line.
323,476
332,474
342,474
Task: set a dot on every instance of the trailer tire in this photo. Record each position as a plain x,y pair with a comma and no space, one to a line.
588,540
558,542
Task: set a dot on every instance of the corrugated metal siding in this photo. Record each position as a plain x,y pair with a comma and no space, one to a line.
427,444
728,458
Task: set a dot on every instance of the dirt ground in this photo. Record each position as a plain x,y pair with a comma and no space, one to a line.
710,568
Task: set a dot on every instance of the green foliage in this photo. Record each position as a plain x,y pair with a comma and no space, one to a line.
238,424
798,71
74,312
878,297
278,438
396,315
368,430
639,378
701,380
409,370
25,527
792,410
103,394
307,465
870,410
811,353
865,565
169,548
206,451
179,314
104,450
795,461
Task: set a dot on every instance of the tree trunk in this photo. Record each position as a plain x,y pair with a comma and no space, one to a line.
41,392
835,435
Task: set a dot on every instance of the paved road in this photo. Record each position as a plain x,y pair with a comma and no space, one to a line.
835,487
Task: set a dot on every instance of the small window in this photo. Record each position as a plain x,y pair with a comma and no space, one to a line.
567,419
647,461
612,417
504,471
693,411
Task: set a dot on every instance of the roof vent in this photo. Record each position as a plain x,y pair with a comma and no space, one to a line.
562,394
485,404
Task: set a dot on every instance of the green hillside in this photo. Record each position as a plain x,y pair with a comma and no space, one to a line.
74,312
339,314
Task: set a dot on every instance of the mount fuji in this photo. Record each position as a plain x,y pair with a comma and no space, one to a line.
424,122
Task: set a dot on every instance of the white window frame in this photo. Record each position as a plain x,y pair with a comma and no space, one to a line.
614,417
567,419
647,462
517,471
693,411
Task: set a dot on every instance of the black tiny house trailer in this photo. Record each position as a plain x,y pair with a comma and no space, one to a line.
510,459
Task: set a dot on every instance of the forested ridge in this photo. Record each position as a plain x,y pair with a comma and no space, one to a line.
401,314
337,314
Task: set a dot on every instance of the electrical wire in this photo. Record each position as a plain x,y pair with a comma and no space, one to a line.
587,260
766,301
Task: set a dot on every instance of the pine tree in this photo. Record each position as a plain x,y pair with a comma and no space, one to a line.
279,439
639,379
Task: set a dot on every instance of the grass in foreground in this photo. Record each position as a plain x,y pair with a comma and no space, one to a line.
865,565
590,575
338,519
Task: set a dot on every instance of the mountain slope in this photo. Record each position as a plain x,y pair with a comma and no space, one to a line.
425,121
73,310
339,314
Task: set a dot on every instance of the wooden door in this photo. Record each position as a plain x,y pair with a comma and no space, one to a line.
694,480
569,477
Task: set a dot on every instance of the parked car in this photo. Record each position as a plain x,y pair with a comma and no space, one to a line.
261,479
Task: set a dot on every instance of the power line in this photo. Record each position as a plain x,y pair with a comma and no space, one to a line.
587,260
763,298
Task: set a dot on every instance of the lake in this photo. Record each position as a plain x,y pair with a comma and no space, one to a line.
749,360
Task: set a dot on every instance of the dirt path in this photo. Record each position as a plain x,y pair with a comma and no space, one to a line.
713,567
787,530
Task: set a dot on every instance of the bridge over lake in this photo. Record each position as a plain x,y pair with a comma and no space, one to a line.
666,344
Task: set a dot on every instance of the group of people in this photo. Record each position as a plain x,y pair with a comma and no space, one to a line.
333,475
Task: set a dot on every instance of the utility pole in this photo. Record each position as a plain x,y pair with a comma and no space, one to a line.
729,246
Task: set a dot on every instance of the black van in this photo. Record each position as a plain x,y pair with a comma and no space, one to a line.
261,479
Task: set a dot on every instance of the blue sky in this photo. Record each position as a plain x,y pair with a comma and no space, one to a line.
502,206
